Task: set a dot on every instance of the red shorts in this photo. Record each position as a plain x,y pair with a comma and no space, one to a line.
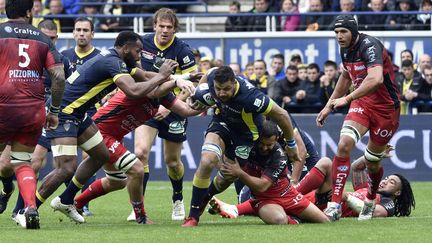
115,148
311,196
292,202
382,124
21,125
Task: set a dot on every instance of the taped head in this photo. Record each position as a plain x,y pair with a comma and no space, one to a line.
347,22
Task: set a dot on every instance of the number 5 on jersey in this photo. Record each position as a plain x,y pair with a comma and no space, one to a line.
22,53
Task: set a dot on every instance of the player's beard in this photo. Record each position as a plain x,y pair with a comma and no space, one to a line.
129,60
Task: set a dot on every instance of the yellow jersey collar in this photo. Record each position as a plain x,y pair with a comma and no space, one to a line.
162,48
83,54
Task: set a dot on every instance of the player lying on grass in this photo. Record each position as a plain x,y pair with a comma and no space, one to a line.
395,197
265,173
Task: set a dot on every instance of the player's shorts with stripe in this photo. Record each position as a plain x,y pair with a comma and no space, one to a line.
70,126
172,128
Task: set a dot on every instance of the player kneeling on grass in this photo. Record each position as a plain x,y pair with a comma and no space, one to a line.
117,118
265,173
394,196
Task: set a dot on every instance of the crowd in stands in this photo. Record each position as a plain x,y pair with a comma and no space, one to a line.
293,21
306,88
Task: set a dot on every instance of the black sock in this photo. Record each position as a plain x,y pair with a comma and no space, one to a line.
177,186
8,185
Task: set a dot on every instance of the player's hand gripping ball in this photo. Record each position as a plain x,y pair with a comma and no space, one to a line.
203,96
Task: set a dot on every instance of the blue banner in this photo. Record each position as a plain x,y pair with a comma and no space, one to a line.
412,142
316,49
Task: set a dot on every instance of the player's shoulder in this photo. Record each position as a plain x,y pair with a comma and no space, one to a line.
68,52
148,38
367,41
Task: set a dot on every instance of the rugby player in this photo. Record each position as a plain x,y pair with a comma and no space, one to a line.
24,53
171,127
374,107
235,126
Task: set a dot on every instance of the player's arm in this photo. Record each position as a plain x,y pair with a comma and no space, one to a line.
256,184
281,117
57,76
169,86
297,166
370,84
181,108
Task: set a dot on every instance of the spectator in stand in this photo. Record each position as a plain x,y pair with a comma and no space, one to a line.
315,22
197,55
407,81
425,19
309,93
218,63
407,54
328,80
89,10
302,71
249,70
295,60
346,6
423,96
234,23
37,10
338,5
424,61
395,67
285,89
260,77
64,24
116,24
374,21
257,23
277,67
205,64
403,21
71,6
236,69
289,22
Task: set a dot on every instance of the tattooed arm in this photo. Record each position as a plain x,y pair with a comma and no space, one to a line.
57,76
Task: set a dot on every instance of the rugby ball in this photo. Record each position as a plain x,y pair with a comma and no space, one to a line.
203,96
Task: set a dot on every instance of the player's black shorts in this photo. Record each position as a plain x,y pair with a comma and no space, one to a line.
172,128
69,126
237,145
44,141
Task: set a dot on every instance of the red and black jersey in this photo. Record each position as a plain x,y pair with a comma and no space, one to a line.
272,167
121,115
24,53
369,52
382,200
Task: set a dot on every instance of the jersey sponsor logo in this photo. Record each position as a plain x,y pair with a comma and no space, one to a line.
130,123
282,165
18,74
338,183
66,126
356,110
242,151
186,59
8,29
366,41
257,102
358,68
123,67
147,55
371,53
17,30
114,146
384,133
176,127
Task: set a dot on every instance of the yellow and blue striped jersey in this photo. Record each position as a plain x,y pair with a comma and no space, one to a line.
79,58
92,81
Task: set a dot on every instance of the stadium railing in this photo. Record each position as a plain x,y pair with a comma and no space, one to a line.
153,3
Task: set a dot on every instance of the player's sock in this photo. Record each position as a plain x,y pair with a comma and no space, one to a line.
212,190
19,204
146,177
93,191
312,180
87,184
374,180
26,179
138,208
67,197
177,183
238,186
199,190
340,172
39,199
245,208
8,186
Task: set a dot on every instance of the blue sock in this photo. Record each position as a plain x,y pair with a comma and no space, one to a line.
177,186
8,185
19,204
67,197
198,195
146,178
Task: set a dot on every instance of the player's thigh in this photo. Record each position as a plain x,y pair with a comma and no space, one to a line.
64,150
172,151
6,168
313,214
272,214
91,141
144,138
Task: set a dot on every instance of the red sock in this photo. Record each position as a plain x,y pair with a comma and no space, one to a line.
138,208
340,172
374,180
93,191
245,208
26,179
312,180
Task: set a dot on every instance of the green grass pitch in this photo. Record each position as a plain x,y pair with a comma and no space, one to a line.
109,224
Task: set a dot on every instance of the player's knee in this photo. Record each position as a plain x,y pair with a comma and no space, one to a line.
142,153
136,171
324,164
116,184
278,219
345,145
